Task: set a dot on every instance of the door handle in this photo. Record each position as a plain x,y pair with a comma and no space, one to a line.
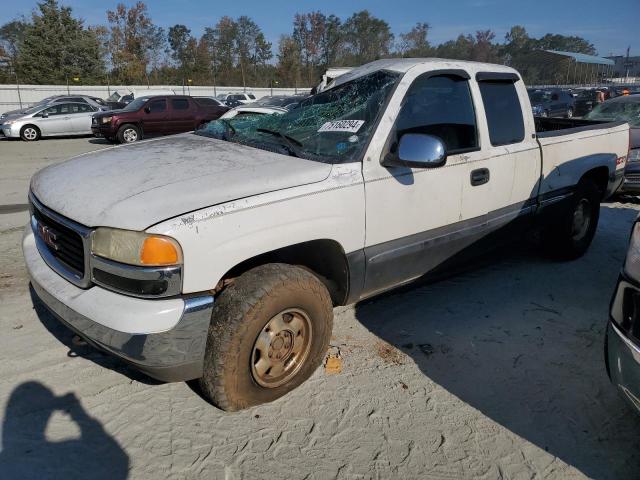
480,176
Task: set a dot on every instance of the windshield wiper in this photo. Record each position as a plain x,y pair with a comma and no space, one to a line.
289,141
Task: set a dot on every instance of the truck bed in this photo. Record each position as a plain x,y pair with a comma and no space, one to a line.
551,127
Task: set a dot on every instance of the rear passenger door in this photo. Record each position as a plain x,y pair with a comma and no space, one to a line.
155,116
181,115
510,165
81,114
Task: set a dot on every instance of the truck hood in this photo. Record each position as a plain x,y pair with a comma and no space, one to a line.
136,186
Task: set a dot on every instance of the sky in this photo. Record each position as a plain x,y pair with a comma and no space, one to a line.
610,26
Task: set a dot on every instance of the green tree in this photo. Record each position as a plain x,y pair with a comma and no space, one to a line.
55,47
414,43
289,62
183,47
366,38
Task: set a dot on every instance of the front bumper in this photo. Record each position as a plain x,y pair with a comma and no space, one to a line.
165,339
622,348
103,130
9,131
631,183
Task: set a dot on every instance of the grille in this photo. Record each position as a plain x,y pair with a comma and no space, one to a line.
65,244
632,177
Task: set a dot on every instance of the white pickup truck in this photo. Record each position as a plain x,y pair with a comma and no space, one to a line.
220,254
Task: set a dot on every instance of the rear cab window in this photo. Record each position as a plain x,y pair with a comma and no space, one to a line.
502,107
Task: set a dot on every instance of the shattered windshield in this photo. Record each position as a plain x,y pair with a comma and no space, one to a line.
331,126
617,111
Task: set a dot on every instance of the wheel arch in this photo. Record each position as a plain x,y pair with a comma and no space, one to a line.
325,258
600,176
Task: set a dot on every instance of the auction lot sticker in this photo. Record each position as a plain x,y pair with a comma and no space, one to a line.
342,126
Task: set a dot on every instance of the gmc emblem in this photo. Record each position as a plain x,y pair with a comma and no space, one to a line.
48,236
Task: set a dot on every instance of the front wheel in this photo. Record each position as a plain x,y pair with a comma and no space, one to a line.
128,134
29,133
569,234
269,332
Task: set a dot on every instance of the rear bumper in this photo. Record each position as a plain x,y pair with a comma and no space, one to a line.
175,354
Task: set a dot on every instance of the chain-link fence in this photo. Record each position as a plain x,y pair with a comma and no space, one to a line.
18,96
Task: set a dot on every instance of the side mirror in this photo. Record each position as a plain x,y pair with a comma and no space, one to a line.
44,115
418,150
147,109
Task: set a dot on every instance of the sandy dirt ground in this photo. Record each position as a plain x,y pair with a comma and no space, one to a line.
497,373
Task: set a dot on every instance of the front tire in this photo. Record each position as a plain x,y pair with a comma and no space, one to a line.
269,332
570,232
30,133
128,134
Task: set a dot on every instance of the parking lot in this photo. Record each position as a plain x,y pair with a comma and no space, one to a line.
496,373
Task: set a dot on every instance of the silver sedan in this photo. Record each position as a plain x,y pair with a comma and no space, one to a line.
70,118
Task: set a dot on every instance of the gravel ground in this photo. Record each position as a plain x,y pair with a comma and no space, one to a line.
496,373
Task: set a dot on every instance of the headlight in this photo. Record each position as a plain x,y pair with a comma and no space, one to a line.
632,262
135,248
106,119
634,155
9,122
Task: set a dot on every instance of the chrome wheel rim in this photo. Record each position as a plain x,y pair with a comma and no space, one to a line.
581,219
30,133
281,348
130,135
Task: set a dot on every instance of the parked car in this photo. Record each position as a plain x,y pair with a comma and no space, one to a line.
119,100
235,99
552,103
219,254
266,106
156,115
587,100
96,102
49,121
625,109
622,340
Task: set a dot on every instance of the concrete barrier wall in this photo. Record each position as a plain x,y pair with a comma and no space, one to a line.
11,95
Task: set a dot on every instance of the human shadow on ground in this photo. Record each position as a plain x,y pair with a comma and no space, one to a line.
79,348
27,453
521,340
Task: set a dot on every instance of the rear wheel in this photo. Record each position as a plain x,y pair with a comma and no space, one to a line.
569,234
128,134
269,332
29,133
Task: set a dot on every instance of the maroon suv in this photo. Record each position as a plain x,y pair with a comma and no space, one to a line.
157,115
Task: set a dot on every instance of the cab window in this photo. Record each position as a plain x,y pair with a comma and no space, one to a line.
179,104
442,106
157,106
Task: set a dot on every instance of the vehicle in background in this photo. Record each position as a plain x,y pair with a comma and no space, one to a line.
155,115
93,101
267,106
623,90
625,109
220,255
551,103
587,100
210,101
235,99
622,339
329,76
68,118
118,100
288,102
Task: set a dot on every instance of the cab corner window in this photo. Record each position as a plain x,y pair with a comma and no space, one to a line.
503,110
442,106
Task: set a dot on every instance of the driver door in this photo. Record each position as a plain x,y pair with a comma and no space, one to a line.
155,117
415,217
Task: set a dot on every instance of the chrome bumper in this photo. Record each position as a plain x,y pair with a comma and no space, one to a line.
176,354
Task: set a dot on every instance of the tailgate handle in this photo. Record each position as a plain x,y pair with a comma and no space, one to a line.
480,176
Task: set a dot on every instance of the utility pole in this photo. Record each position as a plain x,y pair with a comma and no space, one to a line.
627,65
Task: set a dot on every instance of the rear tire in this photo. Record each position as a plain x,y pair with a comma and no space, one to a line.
569,233
269,332
30,133
128,134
